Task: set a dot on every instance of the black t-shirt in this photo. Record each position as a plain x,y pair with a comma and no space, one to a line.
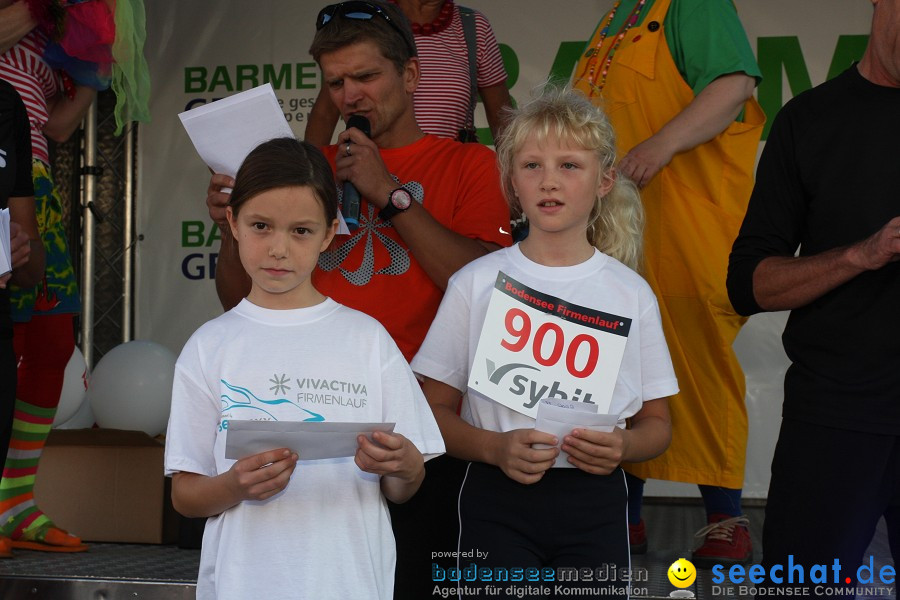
829,176
15,169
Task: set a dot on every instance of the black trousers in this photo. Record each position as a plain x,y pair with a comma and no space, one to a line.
7,393
568,520
829,488
426,525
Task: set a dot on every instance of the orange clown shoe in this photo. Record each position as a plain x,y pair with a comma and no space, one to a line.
5,547
49,539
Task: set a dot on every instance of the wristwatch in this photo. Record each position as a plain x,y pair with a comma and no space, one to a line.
398,201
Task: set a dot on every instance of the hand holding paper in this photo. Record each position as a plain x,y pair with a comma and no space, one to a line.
388,454
218,194
562,417
395,459
261,476
524,455
225,131
596,452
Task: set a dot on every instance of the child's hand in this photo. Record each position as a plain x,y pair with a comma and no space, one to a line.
519,460
396,459
262,475
390,455
596,452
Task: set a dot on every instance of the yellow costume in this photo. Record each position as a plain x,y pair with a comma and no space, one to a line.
694,208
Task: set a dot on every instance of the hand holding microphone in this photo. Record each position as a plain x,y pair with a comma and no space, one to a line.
350,199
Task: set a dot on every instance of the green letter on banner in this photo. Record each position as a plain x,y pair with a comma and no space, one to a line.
566,58
191,234
280,78
775,52
248,74
849,49
194,80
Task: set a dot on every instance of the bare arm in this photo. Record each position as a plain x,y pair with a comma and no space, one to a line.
27,248
66,115
600,453
784,283
256,477
232,282
323,118
511,451
15,23
495,98
440,251
708,115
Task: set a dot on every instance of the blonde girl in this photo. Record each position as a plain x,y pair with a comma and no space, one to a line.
556,160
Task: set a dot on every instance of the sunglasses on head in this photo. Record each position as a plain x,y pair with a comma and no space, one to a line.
360,11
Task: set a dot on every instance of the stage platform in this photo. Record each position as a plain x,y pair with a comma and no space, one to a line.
152,572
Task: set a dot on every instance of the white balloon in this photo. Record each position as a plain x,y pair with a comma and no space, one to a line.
72,395
131,387
83,419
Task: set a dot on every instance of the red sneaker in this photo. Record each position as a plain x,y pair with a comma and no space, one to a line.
637,538
726,541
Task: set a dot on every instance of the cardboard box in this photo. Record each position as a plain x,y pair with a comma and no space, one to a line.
106,485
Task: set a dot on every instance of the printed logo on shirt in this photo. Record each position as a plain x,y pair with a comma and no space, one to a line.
368,232
241,403
331,392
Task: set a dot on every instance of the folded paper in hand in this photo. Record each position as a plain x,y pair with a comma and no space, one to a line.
559,417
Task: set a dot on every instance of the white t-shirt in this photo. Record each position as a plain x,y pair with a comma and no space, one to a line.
328,534
601,283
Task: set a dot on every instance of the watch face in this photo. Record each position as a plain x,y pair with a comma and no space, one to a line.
401,198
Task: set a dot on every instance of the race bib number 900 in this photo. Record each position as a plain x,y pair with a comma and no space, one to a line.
535,346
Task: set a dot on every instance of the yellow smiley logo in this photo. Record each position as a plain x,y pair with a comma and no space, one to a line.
682,573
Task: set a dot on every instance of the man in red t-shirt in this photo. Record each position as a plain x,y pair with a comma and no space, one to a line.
396,265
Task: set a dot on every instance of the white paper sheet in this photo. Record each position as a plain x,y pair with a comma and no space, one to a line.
225,131
311,441
5,243
559,417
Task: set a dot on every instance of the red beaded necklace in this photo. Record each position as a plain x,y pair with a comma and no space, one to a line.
607,59
439,24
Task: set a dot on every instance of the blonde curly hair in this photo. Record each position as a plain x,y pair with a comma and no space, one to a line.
616,226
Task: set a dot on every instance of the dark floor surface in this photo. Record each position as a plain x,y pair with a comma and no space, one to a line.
150,572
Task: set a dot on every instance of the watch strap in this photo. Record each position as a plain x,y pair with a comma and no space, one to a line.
390,209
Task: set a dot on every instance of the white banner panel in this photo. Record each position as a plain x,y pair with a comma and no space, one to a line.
202,50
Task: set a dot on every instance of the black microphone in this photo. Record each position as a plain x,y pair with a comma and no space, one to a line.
350,199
